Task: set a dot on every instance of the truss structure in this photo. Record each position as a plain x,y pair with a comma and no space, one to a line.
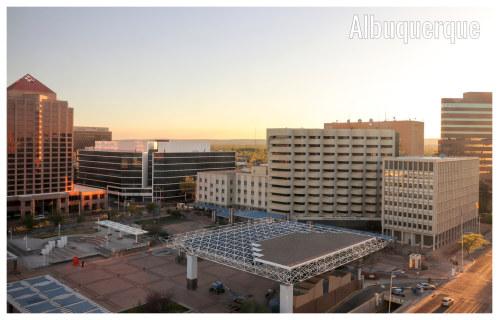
233,246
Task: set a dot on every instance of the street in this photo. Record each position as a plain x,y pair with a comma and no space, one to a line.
472,291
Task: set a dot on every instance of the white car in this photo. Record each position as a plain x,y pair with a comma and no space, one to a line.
447,302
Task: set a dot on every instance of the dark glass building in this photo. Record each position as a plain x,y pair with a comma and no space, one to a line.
145,171
171,169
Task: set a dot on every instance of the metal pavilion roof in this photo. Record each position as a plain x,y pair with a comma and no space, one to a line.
45,294
237,245
121,227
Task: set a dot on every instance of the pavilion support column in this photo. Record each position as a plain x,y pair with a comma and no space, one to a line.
213,216
192,272
286,298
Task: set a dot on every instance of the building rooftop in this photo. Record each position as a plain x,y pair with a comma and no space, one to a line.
433,159
90,129
45,294
295,249
30,84
471,97
82,188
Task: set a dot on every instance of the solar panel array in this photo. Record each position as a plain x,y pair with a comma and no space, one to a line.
248,214
45,294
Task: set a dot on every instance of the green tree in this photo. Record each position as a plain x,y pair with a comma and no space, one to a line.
472,241
188,188
55,217
28,221
133,209
151,207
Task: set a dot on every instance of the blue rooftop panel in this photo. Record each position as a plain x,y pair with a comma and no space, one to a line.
41,307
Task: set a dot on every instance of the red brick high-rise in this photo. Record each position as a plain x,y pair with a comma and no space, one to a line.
39,149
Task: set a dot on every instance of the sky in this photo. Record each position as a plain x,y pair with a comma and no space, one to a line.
230,73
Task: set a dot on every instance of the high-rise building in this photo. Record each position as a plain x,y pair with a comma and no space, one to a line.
145,171
328,174
466,129
429,201
86,136
39,147
411,133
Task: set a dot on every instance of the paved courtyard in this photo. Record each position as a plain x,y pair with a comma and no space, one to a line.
122,282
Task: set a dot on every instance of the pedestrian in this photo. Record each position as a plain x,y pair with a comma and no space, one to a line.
82,263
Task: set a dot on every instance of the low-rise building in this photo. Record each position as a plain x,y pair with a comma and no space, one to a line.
245,188
146,171
429,201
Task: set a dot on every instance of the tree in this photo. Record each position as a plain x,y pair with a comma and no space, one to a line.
28,221
133,209
472,241
188,187
56,217
152,207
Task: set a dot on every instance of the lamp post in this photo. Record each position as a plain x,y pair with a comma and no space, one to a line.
390,298
462,242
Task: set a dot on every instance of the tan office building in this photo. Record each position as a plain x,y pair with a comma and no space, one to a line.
411,133
427,199
328,174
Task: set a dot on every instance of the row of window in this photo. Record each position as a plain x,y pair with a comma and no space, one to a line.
408,215
405,224
409,205
409,165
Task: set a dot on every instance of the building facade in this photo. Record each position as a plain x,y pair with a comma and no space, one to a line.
466,129
245,188
427,200
411,133
216,187
328,174
145,171
84,137
39,148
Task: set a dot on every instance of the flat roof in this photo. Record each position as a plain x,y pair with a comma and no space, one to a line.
295,249
433,159
121,227
243,246
83,188
45,294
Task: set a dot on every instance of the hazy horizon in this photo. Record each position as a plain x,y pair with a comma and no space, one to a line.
230,73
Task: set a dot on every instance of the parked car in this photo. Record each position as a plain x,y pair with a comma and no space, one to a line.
447,302
426,286
217,287
398,291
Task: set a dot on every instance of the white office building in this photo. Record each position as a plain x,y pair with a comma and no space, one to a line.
430,201
246,188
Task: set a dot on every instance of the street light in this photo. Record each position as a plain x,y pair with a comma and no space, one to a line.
390,299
